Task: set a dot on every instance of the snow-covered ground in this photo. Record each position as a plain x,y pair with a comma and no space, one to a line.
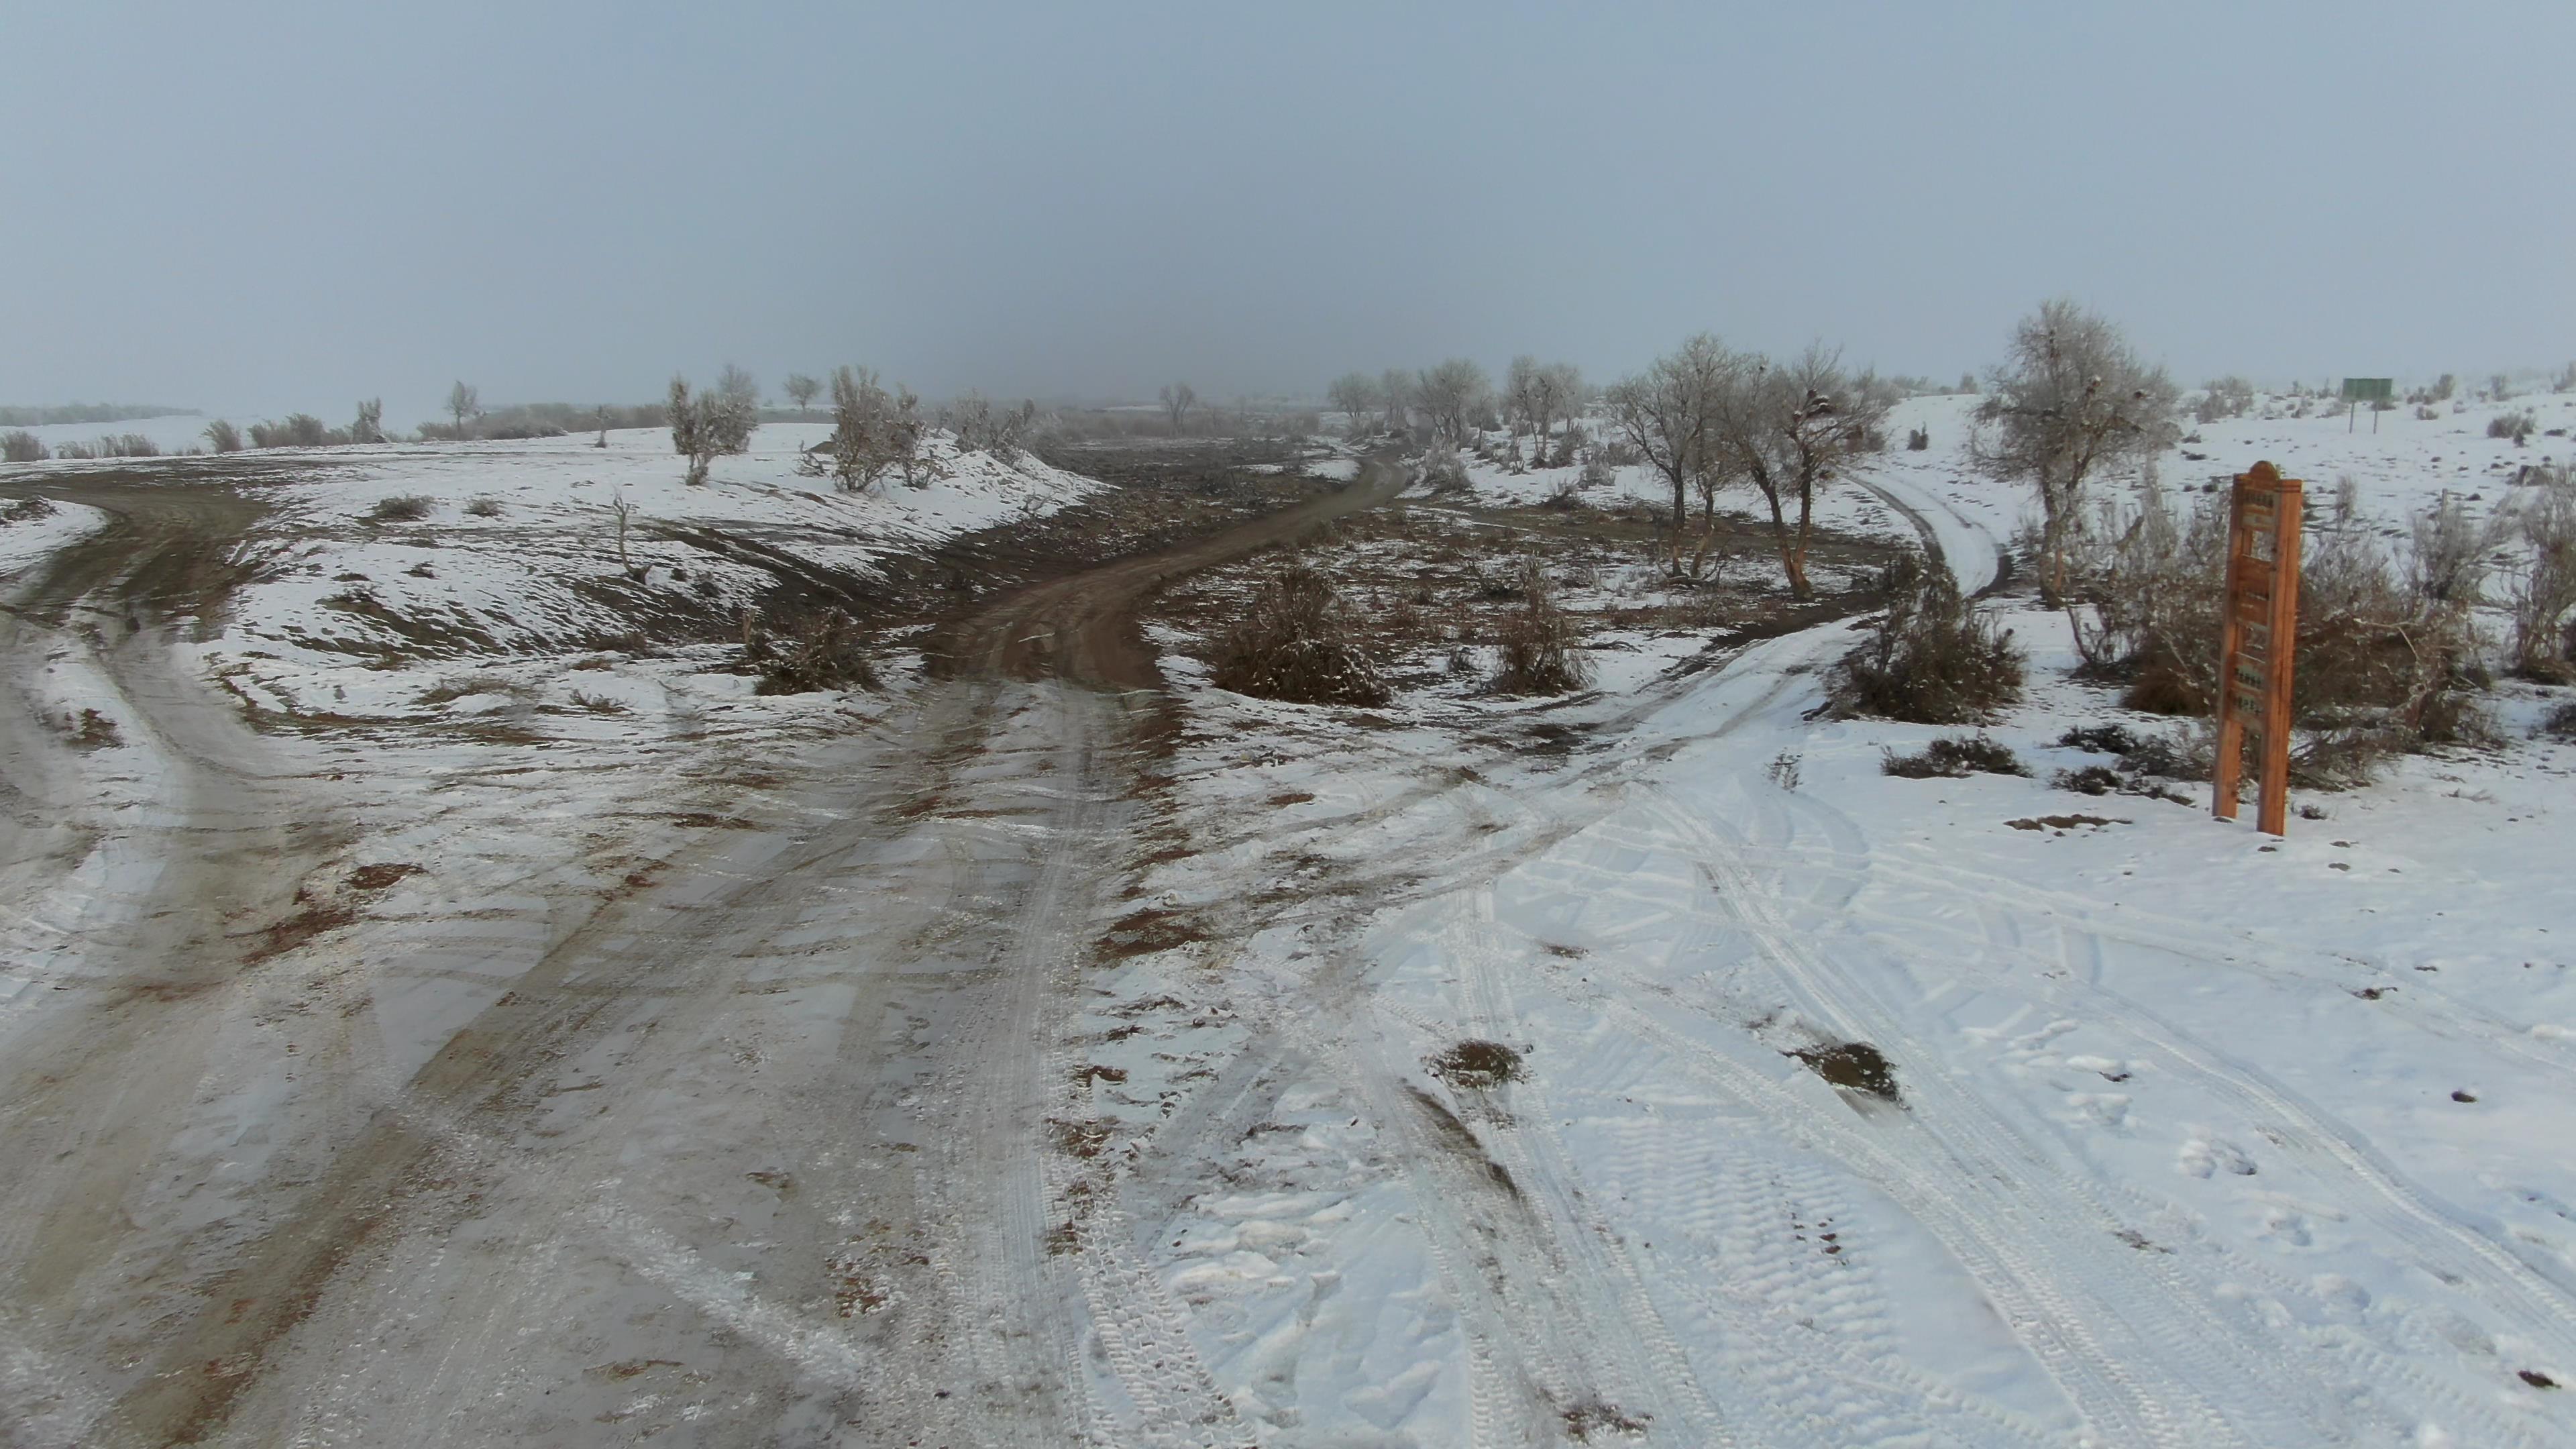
2204,1138
2196,1138
30,535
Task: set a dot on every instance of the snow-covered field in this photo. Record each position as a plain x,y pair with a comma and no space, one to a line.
2190,1137
2203,1138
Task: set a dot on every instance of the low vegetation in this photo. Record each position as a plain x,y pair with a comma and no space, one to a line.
1954,757
1539,647
1299,642
1933,657
823,651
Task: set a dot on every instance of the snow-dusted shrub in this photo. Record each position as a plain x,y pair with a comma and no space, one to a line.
1932,658
27,510
2560,723
983,428
1442,472
713,423
1954,757
824,651
20,446
2544,597
1298,641
2224,397
223,437
484,508
299,430
407,508
1539,650
874,433
2516,426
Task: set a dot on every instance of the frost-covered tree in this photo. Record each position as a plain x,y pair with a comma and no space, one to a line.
1790,430
464,401
370,426
711,424
876,433
1355,395
1395,394
1453,395
1540,395
2069,402
802,390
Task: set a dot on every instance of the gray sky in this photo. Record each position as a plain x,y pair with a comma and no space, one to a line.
263,206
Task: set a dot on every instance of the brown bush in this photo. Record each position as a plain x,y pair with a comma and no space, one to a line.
1299,642
823,651
1954,757
1541,651
1932,658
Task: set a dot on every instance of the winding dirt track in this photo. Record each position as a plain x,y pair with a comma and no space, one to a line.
758,1153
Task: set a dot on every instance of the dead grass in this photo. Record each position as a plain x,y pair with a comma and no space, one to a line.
1477,1064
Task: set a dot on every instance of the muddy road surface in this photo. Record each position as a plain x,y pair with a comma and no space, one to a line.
774,1145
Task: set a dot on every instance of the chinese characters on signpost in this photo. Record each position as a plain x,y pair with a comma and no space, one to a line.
2257,640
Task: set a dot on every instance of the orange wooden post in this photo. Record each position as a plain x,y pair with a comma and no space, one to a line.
2258,641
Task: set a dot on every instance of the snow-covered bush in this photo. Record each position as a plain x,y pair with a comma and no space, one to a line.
713,423
1932,658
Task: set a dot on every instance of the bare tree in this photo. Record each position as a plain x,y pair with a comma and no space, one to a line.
1540,396
1178,399
370,426
625,512
464,402
802,390
2070,401
1354,394
1665,413
1454,394
1395,394
1789,430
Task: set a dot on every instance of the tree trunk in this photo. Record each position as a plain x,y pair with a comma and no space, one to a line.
1792,565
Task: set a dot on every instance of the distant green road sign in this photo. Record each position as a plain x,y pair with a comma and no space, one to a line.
2369,389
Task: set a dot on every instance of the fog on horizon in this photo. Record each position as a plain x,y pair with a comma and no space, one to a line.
269,206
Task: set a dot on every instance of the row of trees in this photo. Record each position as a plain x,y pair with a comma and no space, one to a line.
1457,398
1708,418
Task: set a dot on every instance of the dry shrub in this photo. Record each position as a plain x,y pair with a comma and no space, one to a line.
823,651
1954,757
1932,658
2544,595
27,510
1539,647
1299,642
406,508
20,446
484,508
2387,654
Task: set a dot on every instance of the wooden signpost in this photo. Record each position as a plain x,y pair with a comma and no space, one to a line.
2257,638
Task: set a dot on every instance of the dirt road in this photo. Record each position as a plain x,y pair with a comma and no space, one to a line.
771,1147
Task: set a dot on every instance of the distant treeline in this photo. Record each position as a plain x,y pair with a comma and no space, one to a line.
546,420
89,413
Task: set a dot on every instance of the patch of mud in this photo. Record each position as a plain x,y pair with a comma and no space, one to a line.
380,876
1855,1065
1478,1064
1461,1139
1599,1416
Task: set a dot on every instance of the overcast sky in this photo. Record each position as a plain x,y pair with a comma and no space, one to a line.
264,206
